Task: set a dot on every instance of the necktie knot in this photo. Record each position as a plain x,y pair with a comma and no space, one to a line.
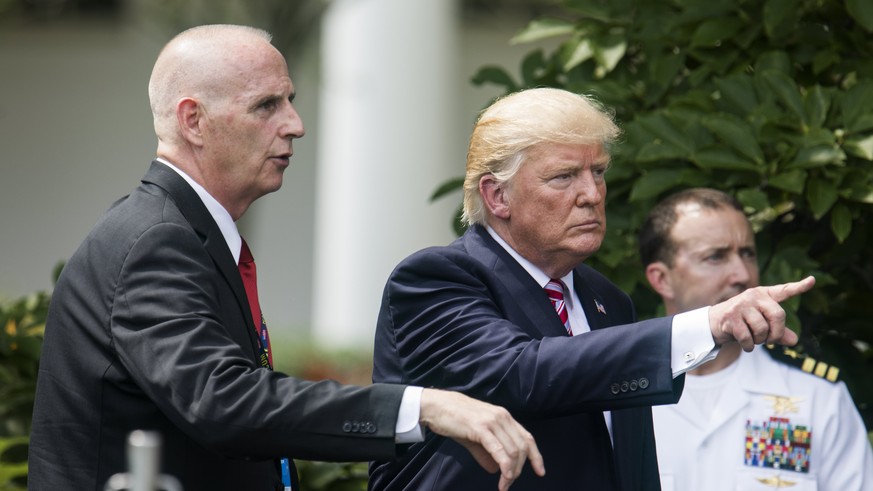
555,291
245,254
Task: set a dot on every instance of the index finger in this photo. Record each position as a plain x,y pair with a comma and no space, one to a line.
531,454
785,291
519,446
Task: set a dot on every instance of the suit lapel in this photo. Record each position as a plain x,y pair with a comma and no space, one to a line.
592,303
524,291
201,220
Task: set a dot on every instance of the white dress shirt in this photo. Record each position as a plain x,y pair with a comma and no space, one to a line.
691,342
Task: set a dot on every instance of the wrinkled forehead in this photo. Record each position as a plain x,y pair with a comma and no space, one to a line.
698,226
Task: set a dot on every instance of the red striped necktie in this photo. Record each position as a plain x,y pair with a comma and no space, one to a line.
555,291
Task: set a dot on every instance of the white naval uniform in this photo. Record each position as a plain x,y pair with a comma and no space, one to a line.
700,453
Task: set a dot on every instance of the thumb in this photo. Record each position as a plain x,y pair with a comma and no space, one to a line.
785,291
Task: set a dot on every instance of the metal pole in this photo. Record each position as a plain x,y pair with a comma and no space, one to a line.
143,463
143,454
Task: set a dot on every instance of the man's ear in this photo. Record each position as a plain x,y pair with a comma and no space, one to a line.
494,195
189,113
658,275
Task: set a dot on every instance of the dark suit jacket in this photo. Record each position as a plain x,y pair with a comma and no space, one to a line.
149,328
468,317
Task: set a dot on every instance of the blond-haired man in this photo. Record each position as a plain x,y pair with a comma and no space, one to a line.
509,314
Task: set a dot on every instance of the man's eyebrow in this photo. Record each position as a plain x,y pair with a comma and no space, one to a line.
706,249
266,98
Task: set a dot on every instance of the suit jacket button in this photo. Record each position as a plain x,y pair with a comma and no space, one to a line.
644,382
347,426
614,388
633,385
624,386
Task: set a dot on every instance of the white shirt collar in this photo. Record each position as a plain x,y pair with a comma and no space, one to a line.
218,212
538,275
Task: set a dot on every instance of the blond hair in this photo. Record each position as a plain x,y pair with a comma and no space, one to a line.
512,125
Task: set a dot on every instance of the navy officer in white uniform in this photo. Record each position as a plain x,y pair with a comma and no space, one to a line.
745,421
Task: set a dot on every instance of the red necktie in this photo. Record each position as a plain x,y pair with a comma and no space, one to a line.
248,272
555,291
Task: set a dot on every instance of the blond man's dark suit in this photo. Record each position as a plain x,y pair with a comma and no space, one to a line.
468,317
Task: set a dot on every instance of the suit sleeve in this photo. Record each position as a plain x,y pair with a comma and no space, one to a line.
445,322
172,326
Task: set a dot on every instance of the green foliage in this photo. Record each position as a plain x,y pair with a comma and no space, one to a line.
21,328
332,476
771,101
13,463
305,359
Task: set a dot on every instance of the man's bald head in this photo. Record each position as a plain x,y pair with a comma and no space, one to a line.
205,63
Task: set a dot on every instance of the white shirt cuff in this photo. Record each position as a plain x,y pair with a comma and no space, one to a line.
407,429
692,344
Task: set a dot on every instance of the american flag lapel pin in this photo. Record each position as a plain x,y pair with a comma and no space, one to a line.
599,307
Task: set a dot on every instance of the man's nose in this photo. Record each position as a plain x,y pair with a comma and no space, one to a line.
588,192
741,270
293,126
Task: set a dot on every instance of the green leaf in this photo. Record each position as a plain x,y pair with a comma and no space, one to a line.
860,147
11,470
816,105
817,156
856,105
775,60
780,18
660,127
754,199
789,263
862,12
824,60
792,181
736,133
841,222
722,158
738,90
663,71
590,9
786,91
608,52
576,52
655,182
658,149
821,196
494,75
712,33
531,66
857,186
540,29
450,186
